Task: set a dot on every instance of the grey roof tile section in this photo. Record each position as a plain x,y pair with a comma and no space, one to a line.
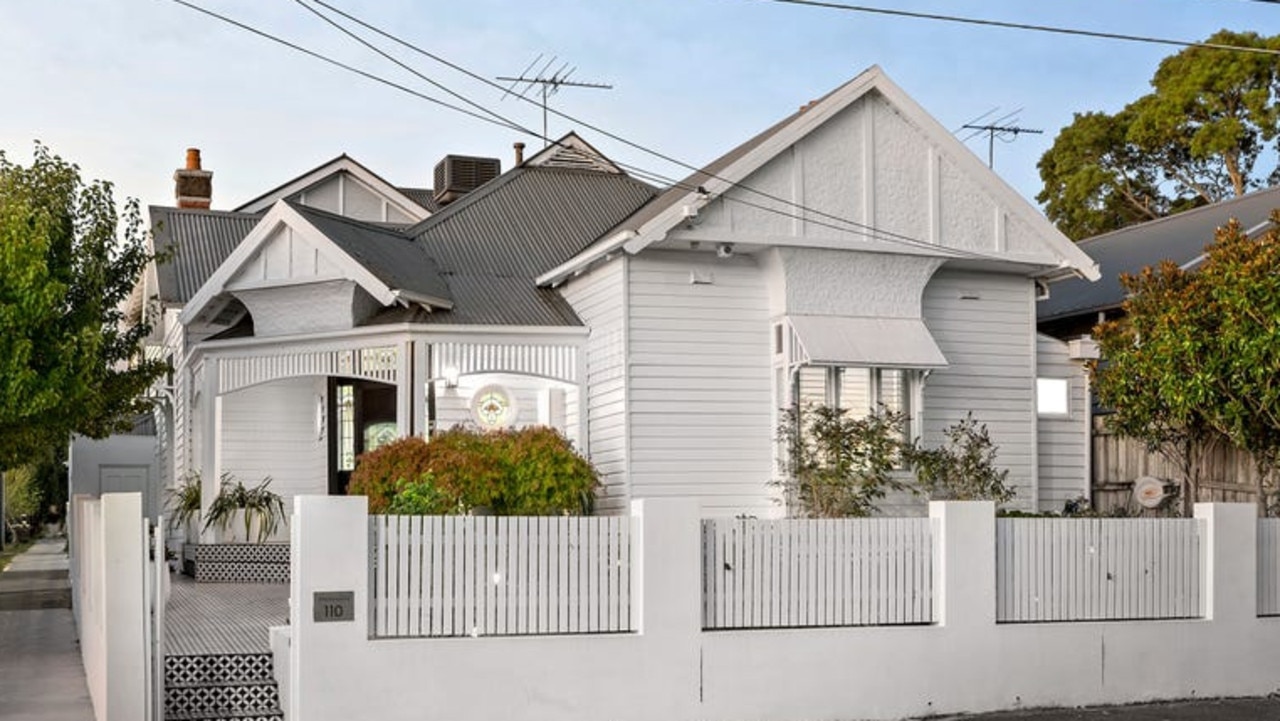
492,243
394,259
199,241
425,197
1180,238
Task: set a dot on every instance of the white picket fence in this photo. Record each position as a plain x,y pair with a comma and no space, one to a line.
801,572
1053,569
487,575
1269,567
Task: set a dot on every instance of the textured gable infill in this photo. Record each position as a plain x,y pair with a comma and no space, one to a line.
1180,238
198,241
393,258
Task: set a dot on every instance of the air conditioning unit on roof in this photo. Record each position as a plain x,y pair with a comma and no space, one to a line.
457,175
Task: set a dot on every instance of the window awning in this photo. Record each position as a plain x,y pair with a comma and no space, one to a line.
866,342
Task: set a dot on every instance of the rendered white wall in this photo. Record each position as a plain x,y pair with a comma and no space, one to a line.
88,458
671,669
108,563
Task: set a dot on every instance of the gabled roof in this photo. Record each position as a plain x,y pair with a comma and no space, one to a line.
399,272
340,164
493,242
1180,238
651,223
397,261
197,241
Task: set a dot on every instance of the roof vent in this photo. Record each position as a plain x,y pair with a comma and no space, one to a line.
458,175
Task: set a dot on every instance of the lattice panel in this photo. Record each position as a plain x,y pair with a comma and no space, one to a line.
207,572
242,553
232,700
217,668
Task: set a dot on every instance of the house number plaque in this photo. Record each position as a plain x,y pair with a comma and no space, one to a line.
332,606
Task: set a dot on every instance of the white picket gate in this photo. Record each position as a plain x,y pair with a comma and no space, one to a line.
1076,569
1269,567
488,575
800,572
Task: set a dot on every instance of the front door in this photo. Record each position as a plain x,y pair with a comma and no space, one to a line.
362,415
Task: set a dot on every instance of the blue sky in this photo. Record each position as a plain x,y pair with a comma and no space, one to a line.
122,87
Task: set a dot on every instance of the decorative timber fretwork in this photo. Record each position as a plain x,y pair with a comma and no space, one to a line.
557,362
380,363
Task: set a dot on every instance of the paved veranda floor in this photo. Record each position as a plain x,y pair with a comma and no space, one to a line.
222,618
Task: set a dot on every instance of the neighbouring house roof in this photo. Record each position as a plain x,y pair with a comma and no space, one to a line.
197,241
1180,238
397,261
340,164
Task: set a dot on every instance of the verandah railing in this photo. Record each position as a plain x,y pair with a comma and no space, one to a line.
803,572
1074,569
488,575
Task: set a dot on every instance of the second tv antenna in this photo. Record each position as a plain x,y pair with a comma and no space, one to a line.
548,83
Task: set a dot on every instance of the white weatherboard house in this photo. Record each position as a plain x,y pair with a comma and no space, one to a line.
854,252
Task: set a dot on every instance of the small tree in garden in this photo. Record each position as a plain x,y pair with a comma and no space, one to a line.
963,468
1196,356
531,471
836,465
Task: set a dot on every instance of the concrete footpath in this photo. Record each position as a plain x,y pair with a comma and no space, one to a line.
1227,709
41,674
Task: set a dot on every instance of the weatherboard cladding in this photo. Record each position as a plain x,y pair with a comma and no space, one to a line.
199,241
397,261
1180,238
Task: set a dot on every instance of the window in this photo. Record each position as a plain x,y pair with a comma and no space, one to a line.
859,390
346,428
1052,397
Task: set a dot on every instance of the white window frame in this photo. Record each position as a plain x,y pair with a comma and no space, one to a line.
1053,388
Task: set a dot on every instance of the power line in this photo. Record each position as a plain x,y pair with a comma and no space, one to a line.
1029,26
336,63
849,226
606,133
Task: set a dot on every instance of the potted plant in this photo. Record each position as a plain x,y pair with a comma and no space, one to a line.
184,506
258,509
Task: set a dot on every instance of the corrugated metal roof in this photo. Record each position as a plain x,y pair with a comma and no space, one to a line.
491,244
396,260
199,241
1180,238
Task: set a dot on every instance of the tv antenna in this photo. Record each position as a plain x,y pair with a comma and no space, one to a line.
547,82
994,129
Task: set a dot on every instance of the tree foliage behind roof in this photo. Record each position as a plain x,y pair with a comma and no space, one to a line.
1196,138
69,363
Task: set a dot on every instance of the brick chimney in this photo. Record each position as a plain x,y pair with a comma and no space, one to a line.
192,186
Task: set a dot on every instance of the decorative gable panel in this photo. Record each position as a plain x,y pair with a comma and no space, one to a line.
285,256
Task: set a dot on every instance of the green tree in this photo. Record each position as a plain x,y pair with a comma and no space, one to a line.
963,468
835,464
1196,357
69,361
1196,138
